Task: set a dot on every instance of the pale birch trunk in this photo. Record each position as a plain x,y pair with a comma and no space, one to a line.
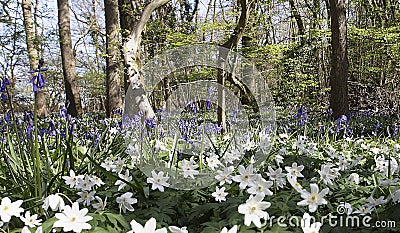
33,53
131,50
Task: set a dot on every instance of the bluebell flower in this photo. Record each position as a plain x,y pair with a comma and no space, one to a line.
234,114
63,112
8,117
377,127
208,104
395,130
302,116
6,81
3,88
193,108
161,134
341,123
150,123
217,128
341,119
4,97
38,80
117,111
349,132
29,130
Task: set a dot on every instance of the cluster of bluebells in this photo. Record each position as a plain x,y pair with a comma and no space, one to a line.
355,124
191,130
86,131
302,116
3,88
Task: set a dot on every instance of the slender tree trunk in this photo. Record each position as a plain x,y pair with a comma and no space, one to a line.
95,36
299,21
33,53
206,18
229,44
339,92
68,61
132,59
113,86
194,11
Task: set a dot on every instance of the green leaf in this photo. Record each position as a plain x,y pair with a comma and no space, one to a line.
48,225
117,218
99,230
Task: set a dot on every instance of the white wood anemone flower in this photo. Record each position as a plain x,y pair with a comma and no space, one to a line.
73,219
309,227
314,198
9,209
232,230
158,181
253,210
149,227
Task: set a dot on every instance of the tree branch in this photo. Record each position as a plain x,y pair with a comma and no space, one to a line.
147,11
239,29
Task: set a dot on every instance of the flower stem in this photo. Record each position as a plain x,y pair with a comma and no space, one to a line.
38,178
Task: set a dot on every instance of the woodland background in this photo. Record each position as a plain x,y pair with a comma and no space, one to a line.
306,58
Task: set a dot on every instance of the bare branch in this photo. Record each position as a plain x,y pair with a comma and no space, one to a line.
147,11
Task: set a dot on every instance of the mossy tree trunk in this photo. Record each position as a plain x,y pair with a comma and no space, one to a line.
113,84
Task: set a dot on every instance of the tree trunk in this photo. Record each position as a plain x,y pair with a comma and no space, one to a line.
113,86
132,59
229,44
126,20
339,92
299,21
33,54
125,11
68,61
